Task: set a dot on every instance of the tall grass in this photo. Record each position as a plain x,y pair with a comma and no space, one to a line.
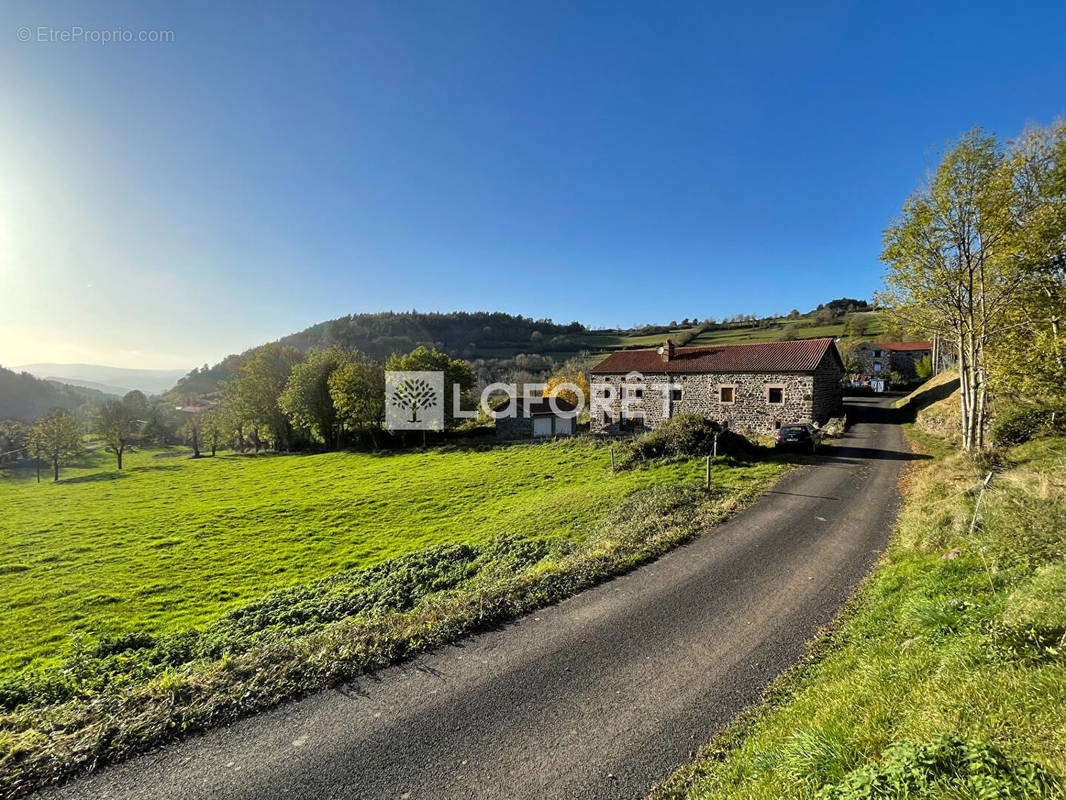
949,666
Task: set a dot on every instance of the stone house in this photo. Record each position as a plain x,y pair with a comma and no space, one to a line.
750,388
879,359
535,418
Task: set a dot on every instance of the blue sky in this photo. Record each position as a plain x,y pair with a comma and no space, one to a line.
164,204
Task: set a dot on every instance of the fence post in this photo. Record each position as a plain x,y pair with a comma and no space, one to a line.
708,466
716,444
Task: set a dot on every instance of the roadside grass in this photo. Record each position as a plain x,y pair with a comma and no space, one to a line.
945,676
187,593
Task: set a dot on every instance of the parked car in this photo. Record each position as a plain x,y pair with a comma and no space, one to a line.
798,436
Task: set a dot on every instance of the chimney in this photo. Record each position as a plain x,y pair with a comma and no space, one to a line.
667,351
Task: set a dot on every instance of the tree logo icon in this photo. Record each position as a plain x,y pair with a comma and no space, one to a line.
414,394
414,400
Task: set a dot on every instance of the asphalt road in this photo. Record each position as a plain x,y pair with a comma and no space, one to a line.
600,696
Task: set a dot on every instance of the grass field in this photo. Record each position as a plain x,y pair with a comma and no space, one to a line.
947,674
173,542
181,594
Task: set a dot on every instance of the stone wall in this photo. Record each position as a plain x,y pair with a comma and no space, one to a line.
750,411
904,361
875,359
517,427
805,397
828,391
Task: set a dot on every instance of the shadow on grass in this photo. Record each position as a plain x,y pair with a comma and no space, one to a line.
934,394
113,475
96,477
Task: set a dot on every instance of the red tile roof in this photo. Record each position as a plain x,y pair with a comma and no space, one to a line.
802,355
905,345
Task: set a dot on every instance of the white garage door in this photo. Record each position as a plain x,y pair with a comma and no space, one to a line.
542,426
564,426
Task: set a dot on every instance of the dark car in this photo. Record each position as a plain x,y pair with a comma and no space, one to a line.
798,436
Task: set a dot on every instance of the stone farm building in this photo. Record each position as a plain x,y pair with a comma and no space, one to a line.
751,388
883,358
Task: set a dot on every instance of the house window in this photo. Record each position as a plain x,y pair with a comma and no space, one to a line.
775,395
727,394
634,391
606,417
675,395
877,366
877,353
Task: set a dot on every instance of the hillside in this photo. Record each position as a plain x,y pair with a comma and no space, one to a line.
805,326
25,398
496,343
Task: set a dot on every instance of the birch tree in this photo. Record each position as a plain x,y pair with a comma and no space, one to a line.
1030,358
952,266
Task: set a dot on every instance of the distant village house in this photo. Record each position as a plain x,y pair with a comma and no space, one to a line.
750,388
880,359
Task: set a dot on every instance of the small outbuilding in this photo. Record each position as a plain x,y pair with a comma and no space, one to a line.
519,418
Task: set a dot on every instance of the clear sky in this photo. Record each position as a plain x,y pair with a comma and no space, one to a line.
278,164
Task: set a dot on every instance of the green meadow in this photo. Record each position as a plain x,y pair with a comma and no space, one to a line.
171,542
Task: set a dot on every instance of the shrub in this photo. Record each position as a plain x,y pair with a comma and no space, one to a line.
1019,424
946,767
923,368
685,435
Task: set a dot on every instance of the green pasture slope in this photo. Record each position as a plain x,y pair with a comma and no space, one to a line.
602,341
773,333
170,543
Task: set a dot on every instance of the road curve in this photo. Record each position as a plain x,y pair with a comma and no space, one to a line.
600,696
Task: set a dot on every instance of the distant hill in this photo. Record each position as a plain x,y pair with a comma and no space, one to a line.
110,380
25,398
473,336
495,342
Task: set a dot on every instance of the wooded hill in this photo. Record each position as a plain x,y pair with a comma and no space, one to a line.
495,342
25,398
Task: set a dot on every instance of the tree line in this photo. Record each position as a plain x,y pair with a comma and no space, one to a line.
977,258
280,399
330,397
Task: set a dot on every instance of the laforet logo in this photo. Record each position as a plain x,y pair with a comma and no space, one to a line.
414,400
